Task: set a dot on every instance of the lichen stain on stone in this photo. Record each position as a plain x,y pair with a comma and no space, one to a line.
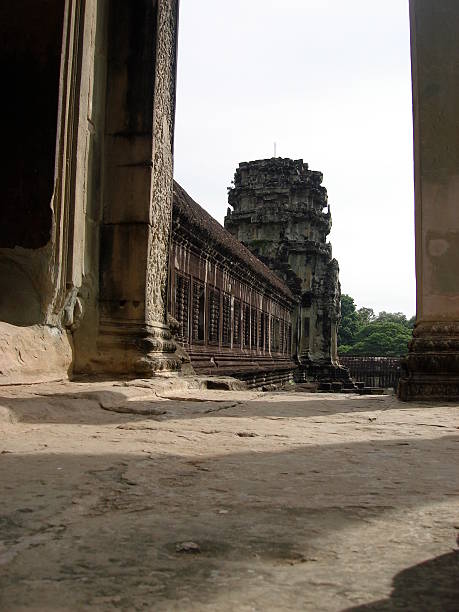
443,252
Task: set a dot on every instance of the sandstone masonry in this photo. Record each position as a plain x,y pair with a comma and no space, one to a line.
281,213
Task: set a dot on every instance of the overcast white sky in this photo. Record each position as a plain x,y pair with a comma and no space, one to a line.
329,81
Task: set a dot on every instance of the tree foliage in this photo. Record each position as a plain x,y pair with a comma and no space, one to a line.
349,325
365,316
363,333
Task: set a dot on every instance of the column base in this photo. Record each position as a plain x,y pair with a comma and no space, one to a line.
431,369
133,349
322,371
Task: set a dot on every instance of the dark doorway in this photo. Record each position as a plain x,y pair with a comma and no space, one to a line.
31,34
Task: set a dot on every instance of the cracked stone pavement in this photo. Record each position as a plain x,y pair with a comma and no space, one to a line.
153,495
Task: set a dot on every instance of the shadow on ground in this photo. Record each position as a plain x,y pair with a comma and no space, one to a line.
432,585
100,530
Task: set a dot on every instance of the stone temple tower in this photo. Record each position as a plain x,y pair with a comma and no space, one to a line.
280,212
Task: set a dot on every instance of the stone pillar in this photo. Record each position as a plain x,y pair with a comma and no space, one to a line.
431,370
134,337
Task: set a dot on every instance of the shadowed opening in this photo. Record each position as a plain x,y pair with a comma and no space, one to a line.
31,33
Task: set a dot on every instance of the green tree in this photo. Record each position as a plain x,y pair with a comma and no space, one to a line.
361,332
365,316
382,339
349,325
392,317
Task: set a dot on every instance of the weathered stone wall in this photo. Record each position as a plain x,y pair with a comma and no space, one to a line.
233,314
280,212
30,66
86,253
56,285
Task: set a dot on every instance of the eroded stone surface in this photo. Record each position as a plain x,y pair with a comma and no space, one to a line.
295,501
33,354
281,213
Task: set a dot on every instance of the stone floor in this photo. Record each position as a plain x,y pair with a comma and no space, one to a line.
155,496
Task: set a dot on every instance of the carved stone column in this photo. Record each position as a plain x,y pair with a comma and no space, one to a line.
134,337
431,370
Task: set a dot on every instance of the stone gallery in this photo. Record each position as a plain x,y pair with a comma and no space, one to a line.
85,239
233,314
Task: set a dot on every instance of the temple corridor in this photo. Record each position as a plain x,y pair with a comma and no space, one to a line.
156,495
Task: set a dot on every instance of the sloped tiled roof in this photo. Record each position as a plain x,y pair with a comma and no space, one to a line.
221,239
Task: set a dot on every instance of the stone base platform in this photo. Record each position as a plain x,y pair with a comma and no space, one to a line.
257,372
